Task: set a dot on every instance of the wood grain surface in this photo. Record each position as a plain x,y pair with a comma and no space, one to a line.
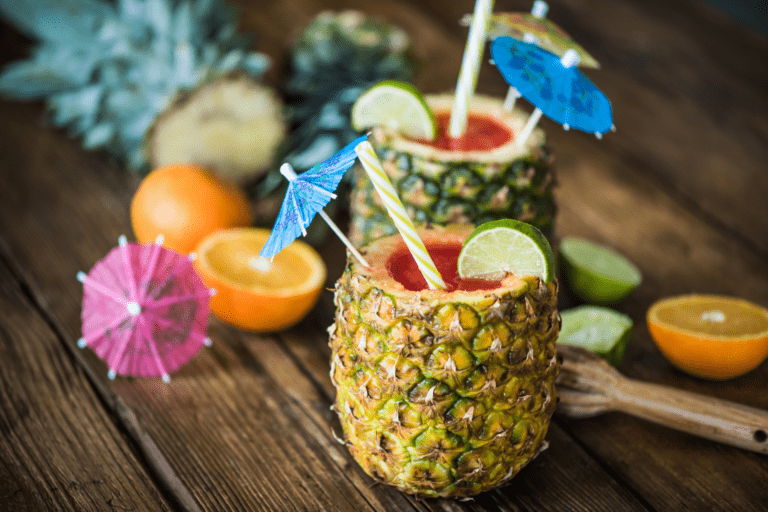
679,188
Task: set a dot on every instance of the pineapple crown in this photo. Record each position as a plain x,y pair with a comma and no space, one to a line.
334,59
106,70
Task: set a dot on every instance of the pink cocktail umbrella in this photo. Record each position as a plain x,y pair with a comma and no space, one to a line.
145,310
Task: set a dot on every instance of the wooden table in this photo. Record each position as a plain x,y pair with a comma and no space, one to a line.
680,189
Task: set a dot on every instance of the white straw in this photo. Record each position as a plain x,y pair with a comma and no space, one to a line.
470,67
397,212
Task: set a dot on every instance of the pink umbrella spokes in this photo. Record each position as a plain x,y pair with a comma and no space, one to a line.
145,310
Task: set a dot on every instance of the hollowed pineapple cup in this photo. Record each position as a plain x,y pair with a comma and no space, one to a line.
442,394
441,186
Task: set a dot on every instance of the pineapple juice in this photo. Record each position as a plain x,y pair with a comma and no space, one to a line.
441,393
479,177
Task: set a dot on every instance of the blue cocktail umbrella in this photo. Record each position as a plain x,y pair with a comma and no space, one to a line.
535,28
307,194
553,85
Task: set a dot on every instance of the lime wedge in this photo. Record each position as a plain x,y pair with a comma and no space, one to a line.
595,273
600,330
506,246
396,105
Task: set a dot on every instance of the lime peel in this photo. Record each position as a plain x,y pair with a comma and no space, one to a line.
397,105
506,246
596,273
600,330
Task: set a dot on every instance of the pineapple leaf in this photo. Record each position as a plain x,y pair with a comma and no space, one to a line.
99,135
158,14
184,29
109,67
56,20
71,105
28,80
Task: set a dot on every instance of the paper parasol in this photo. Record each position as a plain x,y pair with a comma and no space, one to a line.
307,195
539,29
555,87
145,310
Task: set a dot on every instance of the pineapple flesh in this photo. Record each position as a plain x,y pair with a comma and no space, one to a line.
232,125
442,394
465,187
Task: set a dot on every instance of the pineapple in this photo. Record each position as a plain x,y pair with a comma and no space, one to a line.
440,187
109,70
334,59
442,394
232,125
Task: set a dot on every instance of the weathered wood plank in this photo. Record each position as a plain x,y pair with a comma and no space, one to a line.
678,253
59,449
246,424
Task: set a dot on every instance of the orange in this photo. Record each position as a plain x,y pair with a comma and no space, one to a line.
253,293
185,203
710,336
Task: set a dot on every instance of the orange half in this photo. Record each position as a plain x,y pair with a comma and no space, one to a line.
710,336
254,293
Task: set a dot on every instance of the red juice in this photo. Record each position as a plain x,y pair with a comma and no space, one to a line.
483,134
403,269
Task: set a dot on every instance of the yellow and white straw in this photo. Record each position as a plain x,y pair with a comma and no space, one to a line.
470,67
395,208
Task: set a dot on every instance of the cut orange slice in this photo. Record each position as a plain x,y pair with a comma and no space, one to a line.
254,293
710,336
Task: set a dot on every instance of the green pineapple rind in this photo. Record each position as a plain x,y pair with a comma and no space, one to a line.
436,191
439,397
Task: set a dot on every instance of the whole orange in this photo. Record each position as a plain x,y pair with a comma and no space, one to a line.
185,203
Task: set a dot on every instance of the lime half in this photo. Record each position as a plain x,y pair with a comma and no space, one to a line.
396,105
600,330
506,246
595,273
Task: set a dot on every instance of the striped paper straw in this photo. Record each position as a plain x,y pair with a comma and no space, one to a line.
470,67
396,210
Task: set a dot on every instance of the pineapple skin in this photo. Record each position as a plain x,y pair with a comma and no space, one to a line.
443,394
467,188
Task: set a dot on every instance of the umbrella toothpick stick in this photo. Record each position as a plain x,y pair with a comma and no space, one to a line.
529,126
287,171
513,93
539,9
343,238
509,101
569,59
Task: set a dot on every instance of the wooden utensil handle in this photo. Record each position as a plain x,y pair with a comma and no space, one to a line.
712,418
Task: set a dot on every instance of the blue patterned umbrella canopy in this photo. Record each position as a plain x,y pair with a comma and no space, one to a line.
553,85
307,194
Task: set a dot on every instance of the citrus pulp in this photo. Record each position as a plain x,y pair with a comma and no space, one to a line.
397,105
600,330
506,246
252,292
710,336
596,273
